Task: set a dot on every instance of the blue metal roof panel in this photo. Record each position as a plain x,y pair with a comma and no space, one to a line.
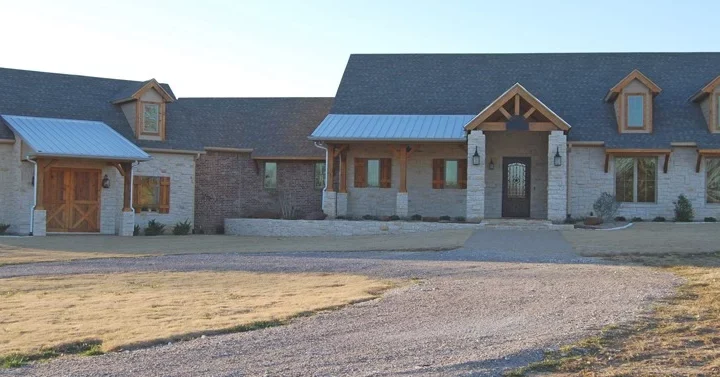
73,138
392,127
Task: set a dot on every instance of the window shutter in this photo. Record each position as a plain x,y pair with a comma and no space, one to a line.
360,172
438,174
164,194
462,173
385,172
136,193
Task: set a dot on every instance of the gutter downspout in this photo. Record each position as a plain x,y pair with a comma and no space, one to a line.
319,145
32,209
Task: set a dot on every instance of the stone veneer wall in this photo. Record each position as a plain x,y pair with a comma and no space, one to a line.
588,180
228,185
16,189
517,144
310,228
181,170
422,198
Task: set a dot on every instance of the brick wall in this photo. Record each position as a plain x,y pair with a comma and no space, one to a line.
230,185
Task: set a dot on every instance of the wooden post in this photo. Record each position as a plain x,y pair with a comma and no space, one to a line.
330,168
127,185
40,185
403,168
343,171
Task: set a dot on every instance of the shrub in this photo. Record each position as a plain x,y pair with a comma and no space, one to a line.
4,228
182,228
606,206
394,218
429,219
460,219
683,209
444,218
636,219
620,218
659,219
370,217
198,230
154,228
265,215
136,230
220,229
342,218
317,215
416,217
710,220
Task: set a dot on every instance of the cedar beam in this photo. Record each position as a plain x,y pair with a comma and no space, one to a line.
125,168
343,171
330,168
40,187
403,169
529,112
505,113
517,104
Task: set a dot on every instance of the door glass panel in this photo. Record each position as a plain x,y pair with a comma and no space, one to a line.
516,180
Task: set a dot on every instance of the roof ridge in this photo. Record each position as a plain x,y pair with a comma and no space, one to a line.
258,98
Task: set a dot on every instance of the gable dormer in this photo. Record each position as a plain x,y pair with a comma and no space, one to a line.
144,107
633,101
709,99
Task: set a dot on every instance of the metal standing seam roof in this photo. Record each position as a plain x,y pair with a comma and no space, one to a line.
53,137
366,127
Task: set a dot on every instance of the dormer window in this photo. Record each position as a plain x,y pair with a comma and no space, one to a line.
635,105
709,100
632,98
151,118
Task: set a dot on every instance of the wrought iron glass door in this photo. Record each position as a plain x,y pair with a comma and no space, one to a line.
516,187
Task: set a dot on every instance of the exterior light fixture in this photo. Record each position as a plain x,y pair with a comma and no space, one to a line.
558,158
492,164
476,157
106,182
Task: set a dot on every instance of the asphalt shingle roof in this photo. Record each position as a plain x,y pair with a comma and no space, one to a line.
573,85
272,126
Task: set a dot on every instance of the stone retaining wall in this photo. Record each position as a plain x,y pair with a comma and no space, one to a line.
267,227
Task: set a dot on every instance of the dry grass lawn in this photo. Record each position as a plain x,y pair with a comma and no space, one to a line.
133,309
680,337
61,248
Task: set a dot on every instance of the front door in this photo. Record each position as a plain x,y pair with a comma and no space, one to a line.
72,200
516,187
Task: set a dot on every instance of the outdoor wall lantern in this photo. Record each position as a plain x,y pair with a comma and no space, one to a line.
558,158
476,157
492,164
106,182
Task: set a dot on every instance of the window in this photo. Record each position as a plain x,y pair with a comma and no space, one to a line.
635,110
635,179
270,180
449,174
151,118
712,180
319,175
151,194
373,172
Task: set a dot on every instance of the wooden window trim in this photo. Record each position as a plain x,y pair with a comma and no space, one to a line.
163,206
361,173
715,113
140,119
709,161
647,113
635,178
438,174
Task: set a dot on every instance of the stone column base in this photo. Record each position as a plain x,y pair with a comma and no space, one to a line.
342,204
329,204
39,222
401,204
127,224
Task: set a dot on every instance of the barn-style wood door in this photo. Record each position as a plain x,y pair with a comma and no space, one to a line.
72,200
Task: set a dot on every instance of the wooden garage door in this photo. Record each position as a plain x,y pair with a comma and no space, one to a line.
72,198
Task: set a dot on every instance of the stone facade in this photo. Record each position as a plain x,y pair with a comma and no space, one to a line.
16,188
475,209
588,180
230,185
556,184
181,170
517,144
311,228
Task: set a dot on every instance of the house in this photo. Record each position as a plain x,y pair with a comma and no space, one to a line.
537,136
96,155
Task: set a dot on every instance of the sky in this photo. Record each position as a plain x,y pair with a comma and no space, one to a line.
299,48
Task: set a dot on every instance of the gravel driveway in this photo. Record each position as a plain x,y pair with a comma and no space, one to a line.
497,303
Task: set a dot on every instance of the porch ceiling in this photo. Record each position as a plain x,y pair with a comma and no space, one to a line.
69,138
